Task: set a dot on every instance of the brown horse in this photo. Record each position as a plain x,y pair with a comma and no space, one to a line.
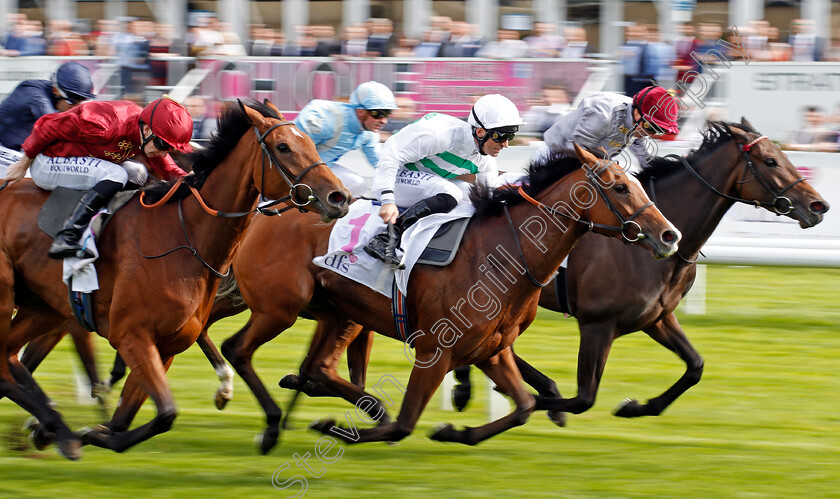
153,301
482,338
733,164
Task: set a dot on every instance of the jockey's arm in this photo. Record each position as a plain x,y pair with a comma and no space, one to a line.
372,148
412,144
17,170
316,123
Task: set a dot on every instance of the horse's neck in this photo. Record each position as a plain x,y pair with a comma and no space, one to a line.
229,188
691,206
546,239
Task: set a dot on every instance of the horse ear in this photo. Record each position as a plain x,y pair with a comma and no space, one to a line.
747,123
254,117
273,107
585,156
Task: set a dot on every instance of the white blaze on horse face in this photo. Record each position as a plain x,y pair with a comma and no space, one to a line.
296,132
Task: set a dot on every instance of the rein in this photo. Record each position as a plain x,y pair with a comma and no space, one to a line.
260,208
781,204
625,223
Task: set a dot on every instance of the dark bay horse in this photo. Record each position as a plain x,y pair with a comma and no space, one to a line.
150,309
484,262
733,164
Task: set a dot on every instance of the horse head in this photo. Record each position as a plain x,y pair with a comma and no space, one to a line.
770,179
291,166
624,207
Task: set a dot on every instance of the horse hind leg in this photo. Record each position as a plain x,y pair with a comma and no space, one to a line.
501,368
331,339
670,335
224,393
38,349
545,387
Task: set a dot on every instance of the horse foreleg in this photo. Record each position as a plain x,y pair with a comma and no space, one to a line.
117,371
670,335
462,392
49,426
144,360
422,384
321,365
225,392
544,385
38,349
595,344
358,357
239,350
501,368
132,397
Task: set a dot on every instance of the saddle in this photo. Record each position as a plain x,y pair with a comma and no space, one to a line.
55,211
444,245
62,201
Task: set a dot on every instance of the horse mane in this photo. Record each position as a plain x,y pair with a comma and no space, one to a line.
542,173
715,135
231,125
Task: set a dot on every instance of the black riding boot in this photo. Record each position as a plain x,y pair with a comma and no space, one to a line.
383,246
66,243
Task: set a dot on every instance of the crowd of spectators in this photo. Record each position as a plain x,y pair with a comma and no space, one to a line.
818,131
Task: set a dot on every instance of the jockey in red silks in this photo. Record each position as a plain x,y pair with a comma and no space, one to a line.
615,122
87,148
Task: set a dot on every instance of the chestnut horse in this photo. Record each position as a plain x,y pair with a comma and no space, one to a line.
338,304
153,301
735,163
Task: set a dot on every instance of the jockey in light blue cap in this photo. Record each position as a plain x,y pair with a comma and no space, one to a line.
337,128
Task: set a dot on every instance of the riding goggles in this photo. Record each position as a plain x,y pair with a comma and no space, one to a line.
501,135
161,144
378,114
652,128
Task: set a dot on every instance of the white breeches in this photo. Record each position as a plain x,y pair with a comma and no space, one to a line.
79,173
412,187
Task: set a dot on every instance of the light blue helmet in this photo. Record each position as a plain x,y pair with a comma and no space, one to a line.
373,95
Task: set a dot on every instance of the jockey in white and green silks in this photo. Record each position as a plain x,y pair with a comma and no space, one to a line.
418,165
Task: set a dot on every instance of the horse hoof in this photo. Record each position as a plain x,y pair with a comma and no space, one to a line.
267,440
460,397
322,425
557,417
290,382
628,408
443,432
70,449
40,438
96,435
221,400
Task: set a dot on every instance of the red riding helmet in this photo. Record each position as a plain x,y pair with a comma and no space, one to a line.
170,121
659,107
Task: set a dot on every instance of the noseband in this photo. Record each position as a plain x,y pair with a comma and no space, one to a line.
781,204
286,174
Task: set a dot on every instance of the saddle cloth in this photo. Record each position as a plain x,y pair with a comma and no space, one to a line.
346,255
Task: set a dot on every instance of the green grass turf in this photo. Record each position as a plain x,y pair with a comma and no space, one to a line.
764,420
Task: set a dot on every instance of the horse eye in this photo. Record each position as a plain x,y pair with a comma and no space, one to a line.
283,147
620,188
771,162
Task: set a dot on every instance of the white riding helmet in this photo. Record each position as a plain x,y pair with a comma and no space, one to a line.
494,111
373,95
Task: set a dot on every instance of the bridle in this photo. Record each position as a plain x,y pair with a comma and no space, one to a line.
623,229
781,204
287,175
262,207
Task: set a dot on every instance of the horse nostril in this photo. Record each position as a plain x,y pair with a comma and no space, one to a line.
336,198
669,236
819,207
